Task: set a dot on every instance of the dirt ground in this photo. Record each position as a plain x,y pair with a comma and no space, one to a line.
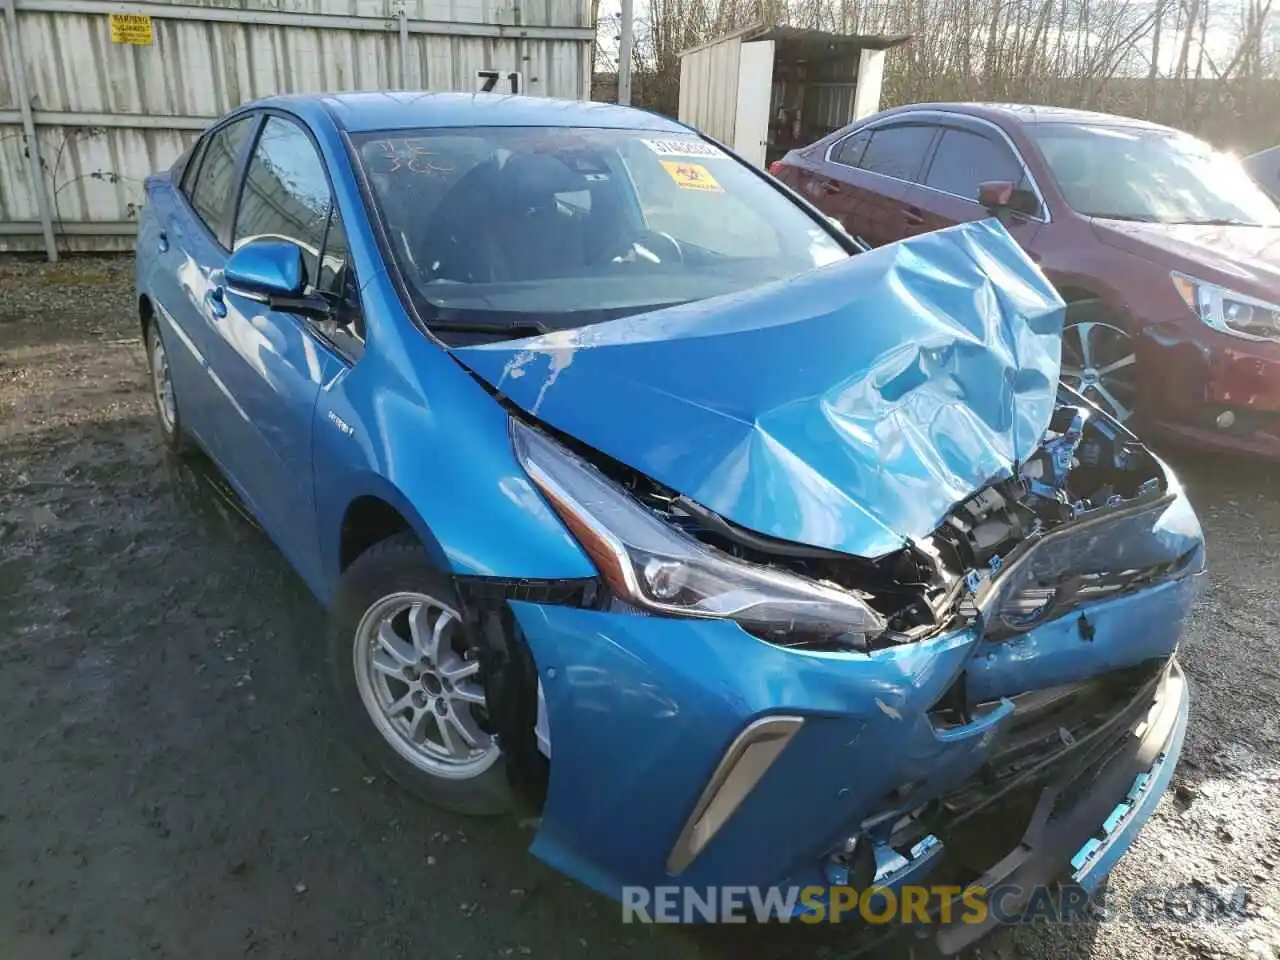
174,784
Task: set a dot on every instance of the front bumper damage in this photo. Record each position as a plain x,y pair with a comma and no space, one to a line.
1205,387
645,712
1088,809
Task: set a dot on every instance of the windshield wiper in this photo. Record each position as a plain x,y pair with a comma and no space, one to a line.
1130,217
525,328
1220,222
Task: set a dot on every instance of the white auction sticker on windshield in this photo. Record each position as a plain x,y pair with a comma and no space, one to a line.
684,148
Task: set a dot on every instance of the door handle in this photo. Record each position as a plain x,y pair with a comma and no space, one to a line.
913,217
163,242
217,302
830,188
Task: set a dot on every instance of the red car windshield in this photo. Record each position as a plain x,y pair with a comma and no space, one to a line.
1137,173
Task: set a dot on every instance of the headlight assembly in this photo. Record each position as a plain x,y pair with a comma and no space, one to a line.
656,567
1234,313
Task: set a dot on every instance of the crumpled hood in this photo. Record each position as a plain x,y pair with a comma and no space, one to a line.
850,407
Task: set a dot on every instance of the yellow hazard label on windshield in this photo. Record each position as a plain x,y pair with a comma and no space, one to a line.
691,176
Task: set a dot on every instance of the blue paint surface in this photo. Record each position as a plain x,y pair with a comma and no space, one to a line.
849,407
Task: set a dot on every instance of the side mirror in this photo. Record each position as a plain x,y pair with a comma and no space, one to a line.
265,269
1001,196
272,271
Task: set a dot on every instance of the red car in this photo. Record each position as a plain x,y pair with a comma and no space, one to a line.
1167,252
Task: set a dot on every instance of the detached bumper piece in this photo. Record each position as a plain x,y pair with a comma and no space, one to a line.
1086,806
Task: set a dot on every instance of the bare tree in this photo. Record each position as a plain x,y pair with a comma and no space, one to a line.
1147,58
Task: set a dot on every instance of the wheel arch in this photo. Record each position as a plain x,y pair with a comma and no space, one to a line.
1085,304
373,514
146,314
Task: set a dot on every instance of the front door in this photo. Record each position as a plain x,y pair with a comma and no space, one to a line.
273,362
947,193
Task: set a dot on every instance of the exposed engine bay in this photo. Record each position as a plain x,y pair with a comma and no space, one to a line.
1085,468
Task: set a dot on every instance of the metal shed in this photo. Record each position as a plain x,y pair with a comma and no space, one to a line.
763,90
95,95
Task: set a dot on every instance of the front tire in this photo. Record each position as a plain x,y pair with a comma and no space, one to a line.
409,683
1099,359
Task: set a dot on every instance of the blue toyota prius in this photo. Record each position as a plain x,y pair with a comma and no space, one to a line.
639,497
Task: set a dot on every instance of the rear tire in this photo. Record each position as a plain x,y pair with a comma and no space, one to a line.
164,395
411,692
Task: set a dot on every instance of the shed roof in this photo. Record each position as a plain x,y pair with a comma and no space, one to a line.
798,42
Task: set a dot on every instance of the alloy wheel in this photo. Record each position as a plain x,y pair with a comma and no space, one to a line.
421,686
1098,361
162,383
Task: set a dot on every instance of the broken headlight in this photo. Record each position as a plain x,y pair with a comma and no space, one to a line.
1230,312
656,567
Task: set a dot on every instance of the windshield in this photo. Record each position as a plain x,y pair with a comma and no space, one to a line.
1135,173
549,228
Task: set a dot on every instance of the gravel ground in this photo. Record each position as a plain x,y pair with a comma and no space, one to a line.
173,784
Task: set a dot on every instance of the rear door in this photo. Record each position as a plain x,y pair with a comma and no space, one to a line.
193,244
273,362
964,156
865,176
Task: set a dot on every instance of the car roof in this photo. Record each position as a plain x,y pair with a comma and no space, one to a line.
1029,113
406,110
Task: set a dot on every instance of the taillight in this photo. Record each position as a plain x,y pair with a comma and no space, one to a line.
775,168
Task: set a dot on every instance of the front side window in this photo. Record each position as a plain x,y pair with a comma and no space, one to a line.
286,194
1152,175
1265,169
215,178
965,159
335,270
560,227
897,151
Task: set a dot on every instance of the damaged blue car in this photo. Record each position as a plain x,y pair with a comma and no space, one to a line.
640,498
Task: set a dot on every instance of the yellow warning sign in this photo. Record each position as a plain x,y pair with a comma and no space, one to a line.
692,176
131,28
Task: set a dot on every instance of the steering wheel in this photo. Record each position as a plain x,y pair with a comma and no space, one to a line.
650,246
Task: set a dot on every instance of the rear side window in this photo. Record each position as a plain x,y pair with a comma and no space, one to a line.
965,159
286,194
189,165
849,151
897,151
217,171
